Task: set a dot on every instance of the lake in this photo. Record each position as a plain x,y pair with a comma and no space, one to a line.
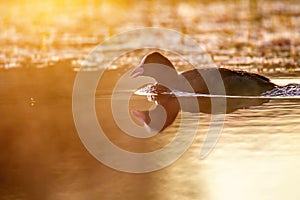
43,156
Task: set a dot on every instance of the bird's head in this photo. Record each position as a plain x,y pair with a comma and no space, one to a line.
157,66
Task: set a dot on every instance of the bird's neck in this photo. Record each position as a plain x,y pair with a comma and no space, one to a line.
170,81
176,82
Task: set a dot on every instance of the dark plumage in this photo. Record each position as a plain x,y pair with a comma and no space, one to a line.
205,81
161,116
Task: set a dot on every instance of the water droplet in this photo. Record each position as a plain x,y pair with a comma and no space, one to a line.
32,101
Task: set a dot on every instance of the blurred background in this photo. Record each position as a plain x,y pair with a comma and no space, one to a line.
247,33
44,41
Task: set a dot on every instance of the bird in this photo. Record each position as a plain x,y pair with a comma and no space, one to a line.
161,116
168,105
215,81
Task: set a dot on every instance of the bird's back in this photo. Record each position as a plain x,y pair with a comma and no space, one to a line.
239,83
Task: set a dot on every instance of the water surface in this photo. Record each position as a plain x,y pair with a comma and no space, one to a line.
42,157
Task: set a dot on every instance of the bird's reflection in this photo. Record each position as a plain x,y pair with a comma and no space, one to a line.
168,105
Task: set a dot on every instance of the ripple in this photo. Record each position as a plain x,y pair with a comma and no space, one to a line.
290,91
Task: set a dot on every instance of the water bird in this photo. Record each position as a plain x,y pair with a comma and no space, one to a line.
213,81
217,81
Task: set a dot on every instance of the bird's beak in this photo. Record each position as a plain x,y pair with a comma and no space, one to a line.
137,72
139,115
